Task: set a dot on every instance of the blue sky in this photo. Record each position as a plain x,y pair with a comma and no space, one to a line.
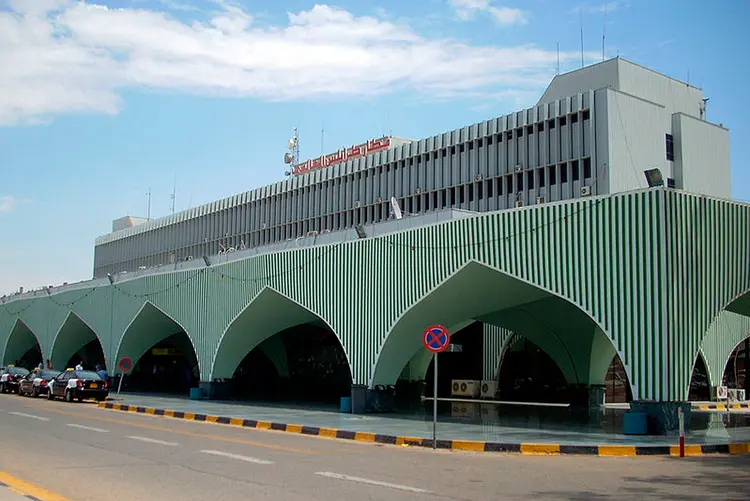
100,101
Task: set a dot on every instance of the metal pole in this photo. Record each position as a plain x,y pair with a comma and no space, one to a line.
434,401
122,375
681,418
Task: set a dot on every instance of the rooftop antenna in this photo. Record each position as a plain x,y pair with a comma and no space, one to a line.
149,205
557,68
291,157
580,12
604,29
173,196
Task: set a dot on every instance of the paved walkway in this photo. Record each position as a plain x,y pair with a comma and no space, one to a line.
712,428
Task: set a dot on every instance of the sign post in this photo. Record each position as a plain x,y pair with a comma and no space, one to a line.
125,365
436,339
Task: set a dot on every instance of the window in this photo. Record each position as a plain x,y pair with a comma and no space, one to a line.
471,193
563,121
489,188
540,176
552,171
479,143
530,179
574,118
576,173
586,168
586,114
563,173
489,141
540,127
670,147
461,148
551,124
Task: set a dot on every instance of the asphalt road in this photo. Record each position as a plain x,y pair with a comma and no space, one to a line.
85,453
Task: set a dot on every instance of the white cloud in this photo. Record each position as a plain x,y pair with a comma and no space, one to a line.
7,204
61,56
505,16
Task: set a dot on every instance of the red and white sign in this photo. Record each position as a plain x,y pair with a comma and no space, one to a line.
344,154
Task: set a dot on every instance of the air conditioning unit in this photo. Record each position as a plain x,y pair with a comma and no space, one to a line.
540,200
418,190
356,204
719,393
465,410
488,389
518,167
379,200
736,394
585,191
519,203
312,233
465,388
325,231
478,177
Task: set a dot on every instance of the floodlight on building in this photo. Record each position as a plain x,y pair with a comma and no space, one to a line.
361,233
111,279
654,178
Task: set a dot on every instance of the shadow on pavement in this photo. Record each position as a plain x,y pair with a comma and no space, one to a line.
714,477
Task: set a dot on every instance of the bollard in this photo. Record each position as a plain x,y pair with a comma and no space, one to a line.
681,418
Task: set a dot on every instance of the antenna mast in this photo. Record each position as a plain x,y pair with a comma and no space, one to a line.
174,193
604,29
149,204
580,12
291,157
557,68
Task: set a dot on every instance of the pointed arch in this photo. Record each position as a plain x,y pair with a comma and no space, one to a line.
150,326
267,314
483,293
726,332
21,340
74,335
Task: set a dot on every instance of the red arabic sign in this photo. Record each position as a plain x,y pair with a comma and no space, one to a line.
344,154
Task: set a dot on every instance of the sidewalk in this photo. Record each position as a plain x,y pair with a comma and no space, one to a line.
408,429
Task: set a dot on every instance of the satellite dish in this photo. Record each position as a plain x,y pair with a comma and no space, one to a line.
396,209
292,142
288,158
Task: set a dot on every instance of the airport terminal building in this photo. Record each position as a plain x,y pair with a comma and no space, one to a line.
594,131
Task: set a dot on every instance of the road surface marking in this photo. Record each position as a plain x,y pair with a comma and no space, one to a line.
237,456
191,434
152,440
40,418
371,482
90,428
29,490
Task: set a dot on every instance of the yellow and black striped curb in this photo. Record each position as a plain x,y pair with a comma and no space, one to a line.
28,490
721,407
456,445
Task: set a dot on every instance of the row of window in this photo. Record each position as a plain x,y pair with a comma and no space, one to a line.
511,186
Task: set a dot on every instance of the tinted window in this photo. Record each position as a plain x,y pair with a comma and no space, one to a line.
46,374
88,375
18,371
